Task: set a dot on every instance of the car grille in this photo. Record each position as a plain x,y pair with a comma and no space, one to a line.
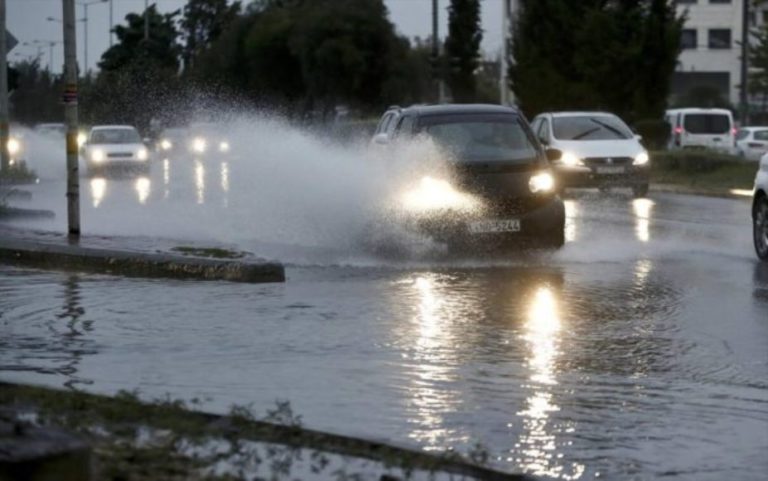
606,161
502,207
120,155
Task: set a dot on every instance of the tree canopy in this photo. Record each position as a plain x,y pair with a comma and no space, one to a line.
462,48
617,55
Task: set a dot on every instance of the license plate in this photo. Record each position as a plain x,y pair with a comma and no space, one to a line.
610,170
494,226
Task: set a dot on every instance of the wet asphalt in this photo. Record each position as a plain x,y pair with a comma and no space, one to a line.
639,350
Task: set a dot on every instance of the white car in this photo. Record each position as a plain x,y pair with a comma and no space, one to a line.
760,210
752,142
108,146
701,128
593,149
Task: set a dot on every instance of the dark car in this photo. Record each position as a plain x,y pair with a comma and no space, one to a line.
499,188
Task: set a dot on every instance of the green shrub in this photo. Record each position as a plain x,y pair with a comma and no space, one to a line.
655,133
693,160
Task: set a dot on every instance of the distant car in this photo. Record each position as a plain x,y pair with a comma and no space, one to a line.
499,188
57,130
760,210
593,149
110,146
752,142
702,128
171,140
207,138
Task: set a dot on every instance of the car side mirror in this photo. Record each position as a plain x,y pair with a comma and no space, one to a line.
638,137
380,139
553,154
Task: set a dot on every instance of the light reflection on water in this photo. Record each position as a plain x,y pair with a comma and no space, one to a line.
538,451
143,186
643,209
200,181
571,213
166,178
430,401
98,190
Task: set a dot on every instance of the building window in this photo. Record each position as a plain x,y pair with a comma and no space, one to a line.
686,2
689,39
719,1
720,38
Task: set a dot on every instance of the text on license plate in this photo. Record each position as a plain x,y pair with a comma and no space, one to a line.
610,170
494,226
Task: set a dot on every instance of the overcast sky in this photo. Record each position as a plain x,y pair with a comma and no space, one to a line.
27,21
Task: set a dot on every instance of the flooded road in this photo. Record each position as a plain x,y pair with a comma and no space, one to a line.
638,351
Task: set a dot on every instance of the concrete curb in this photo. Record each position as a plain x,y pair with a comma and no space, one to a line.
684,190
135,264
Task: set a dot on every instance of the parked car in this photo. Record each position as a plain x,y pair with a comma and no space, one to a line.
593,149
499,188
752,142
760,210
114,146
702,128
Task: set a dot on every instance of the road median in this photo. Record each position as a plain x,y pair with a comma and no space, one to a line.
702,172
31,252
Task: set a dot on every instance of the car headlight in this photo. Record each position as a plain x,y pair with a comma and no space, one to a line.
224,146
97,155
142,154
14,146
570,159
437,194
81,138
198,144
641,159
541,182
166,144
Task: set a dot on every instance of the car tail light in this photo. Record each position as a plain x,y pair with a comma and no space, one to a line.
678,130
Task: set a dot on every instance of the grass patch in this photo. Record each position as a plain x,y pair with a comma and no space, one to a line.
137,441
702,169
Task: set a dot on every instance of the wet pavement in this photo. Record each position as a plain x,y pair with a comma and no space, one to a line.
638,351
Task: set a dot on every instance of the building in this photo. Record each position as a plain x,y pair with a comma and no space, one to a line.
711,55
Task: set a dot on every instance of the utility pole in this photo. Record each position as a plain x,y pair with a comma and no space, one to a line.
146,20
111,22
5,160
70,117
437,61
503,64
744,94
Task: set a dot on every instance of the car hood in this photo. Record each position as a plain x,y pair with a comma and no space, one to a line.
117,147
601,148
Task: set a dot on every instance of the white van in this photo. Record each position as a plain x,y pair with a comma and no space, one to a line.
702,128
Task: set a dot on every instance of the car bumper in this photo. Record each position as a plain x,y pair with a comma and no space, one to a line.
583,176
538,223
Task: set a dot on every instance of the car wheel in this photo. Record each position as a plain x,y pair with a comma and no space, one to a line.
640,190
760,228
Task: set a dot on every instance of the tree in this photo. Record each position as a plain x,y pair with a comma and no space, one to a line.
202,23
462,48
617,55
37,96
139,77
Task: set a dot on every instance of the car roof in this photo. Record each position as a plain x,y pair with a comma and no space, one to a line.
113,127
699,110
581,114
448,109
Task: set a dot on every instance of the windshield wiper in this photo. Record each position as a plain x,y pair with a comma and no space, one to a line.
611,128
585,133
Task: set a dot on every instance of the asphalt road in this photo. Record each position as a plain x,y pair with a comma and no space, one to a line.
640,350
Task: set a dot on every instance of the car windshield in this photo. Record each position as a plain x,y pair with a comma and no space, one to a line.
481,138
742,134
707,123
115,136
590,127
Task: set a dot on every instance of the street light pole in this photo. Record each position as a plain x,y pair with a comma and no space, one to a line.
70,116
111,23
146,20
5,160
